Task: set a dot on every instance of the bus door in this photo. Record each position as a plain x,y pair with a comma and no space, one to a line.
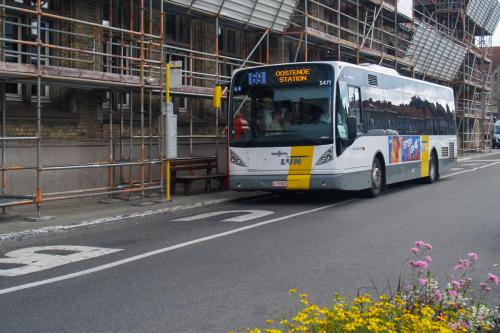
355,106
348,104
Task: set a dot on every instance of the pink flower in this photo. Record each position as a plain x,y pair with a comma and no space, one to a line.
455,284
423,282
462,264
411,263
428,246
421,264
428,258
483,285
473,257
414,250
488,289
419,244
493,278
438,296
452,293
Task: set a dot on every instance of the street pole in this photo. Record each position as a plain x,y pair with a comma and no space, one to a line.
167,100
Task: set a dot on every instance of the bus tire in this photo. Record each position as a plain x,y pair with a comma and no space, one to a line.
376,179
433,169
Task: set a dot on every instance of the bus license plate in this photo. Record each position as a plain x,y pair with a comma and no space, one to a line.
280,183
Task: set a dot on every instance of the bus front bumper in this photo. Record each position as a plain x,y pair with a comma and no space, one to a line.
354,181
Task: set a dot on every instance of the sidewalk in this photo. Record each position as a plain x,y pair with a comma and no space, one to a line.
72,216
471,155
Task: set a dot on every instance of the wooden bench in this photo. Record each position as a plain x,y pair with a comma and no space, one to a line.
209,164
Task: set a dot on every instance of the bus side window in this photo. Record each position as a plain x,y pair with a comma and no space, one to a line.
355,106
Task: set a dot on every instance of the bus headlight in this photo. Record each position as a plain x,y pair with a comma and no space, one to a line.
235,159
326,157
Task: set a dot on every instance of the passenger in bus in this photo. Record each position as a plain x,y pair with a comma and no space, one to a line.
258,125
275,126
287,119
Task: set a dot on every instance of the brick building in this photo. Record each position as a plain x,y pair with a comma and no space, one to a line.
495,75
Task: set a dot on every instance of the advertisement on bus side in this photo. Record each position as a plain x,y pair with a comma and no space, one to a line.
405,148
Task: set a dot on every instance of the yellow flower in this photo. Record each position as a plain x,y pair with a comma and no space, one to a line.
293,291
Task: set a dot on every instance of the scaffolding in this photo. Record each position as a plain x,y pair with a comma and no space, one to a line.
440,41
125,56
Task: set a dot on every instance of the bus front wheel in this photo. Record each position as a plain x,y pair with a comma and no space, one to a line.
377,179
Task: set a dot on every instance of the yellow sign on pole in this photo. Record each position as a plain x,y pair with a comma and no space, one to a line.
217,99
167,82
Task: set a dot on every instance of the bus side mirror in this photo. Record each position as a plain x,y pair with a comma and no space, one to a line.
352,127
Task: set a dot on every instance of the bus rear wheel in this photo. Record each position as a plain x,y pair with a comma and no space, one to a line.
377,179
433,169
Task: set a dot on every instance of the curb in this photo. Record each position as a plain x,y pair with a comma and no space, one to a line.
467,158
86,224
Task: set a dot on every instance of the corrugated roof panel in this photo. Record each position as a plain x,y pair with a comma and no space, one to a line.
211,6
481,12
180,2
493,19
274,14
434,54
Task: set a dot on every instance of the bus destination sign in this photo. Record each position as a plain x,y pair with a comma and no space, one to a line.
292,75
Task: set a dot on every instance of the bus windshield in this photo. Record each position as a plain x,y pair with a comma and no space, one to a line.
282,106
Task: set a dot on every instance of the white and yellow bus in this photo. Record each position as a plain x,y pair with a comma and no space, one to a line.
335,125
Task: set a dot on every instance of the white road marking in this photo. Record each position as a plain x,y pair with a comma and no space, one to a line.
474,169
247,216
31,260
166,249
455,169
470,164
109,219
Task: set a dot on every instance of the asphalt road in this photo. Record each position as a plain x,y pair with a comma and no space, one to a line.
211,275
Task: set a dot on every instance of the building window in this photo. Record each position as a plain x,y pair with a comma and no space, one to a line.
44,57
180,61
105,13
227,40
117,103
45,3
177,27
13,55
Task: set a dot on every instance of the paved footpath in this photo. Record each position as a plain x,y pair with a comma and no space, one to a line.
222,266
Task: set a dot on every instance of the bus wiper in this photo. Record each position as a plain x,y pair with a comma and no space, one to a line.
310,140
278,132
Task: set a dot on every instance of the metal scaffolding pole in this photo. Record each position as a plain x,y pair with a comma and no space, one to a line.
39,195
4,142
162,111
4,113
141,99
306,35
